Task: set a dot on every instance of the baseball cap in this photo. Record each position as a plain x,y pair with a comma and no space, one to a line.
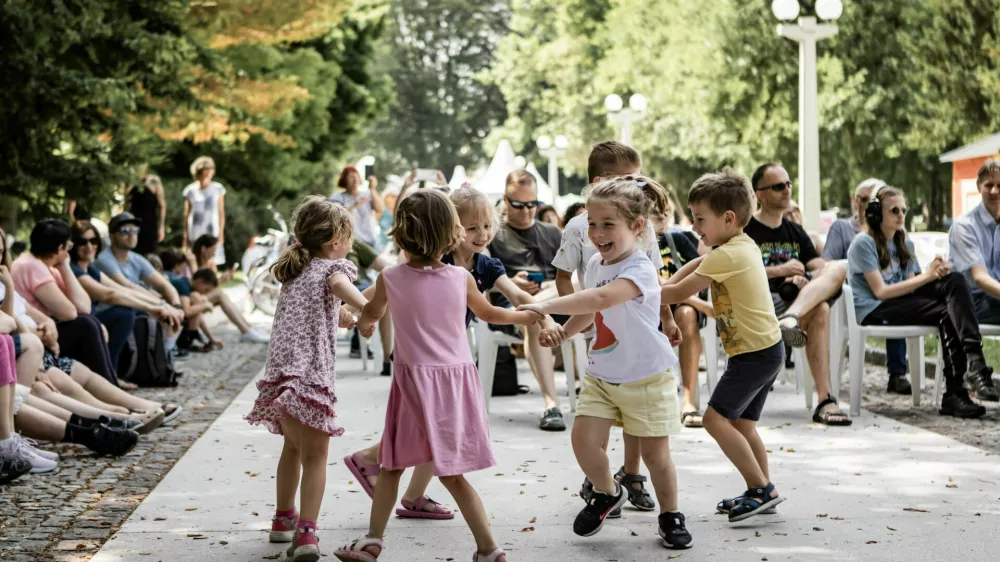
118,221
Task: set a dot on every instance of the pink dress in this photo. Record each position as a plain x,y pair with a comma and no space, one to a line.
299,375
435,412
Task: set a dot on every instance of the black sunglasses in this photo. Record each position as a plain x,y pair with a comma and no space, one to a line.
521,204
92,241
776,187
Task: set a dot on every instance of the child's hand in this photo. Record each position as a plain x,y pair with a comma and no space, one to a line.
366,324
552,337
537,308
673,333
528,317
346,319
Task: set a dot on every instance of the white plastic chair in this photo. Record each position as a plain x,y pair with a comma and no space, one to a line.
710,347
985,330
377,353
838,354
914,336
574,352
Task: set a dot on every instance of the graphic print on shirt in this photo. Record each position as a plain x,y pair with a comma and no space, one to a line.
778,253
722,302
605,340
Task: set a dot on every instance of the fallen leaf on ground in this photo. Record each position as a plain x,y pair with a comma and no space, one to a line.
782,534
526,529
756,533
890,528
951,485
817,529
741,540
160,519
837,518
872,542
254,513
634,534
223,542
821,514
915,510
789,450
191,509
533,519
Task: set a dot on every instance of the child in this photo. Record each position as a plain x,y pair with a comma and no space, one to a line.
608,159
479,220
629,379
435,413
722,204
297,391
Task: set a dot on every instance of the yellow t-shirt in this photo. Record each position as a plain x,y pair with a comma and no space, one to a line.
744,312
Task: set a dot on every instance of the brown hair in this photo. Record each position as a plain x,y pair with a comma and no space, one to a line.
723,191
899,238
5,254
78,231
200,244
469,200
633,197
607,157
317,221
426,225
519,177
206,276
989,168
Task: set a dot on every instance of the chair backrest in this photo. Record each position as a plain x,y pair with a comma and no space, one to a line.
852,320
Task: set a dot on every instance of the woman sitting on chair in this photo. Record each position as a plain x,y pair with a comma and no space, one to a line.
889,289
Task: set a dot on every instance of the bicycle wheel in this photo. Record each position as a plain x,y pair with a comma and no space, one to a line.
264,291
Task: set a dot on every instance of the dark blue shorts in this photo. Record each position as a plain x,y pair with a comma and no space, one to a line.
743,388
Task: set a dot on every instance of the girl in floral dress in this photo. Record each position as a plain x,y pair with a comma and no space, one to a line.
297,390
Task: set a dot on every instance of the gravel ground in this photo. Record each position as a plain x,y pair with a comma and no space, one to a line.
66,515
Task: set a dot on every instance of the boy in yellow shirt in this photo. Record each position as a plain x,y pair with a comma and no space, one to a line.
722,204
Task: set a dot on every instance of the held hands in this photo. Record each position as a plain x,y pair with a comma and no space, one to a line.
552,337
346,319
528,317
366,324
535,307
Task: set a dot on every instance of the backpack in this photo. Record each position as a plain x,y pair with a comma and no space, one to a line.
144,360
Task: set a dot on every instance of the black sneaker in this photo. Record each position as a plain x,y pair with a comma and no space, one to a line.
673,532
552,420
899,385
587,491
115,442
982,383
12,469
591,519
960,406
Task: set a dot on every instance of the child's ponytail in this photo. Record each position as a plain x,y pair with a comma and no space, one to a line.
317,221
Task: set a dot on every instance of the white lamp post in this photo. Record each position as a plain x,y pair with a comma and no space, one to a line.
553,150
625,116
807,32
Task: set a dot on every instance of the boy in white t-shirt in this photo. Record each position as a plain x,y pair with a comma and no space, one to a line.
629,379
607,159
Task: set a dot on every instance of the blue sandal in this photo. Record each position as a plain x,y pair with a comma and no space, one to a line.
727,505
754,502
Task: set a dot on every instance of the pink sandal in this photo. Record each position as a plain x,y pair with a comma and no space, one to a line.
362,471
491,557
419,509
355,552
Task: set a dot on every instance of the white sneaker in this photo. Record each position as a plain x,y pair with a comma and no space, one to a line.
254,336
50,455
16,448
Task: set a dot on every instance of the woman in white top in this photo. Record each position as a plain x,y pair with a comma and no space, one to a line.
204,207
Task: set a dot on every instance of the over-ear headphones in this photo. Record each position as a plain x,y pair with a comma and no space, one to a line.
873,211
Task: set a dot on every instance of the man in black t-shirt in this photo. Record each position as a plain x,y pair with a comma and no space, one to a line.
526,248
803,285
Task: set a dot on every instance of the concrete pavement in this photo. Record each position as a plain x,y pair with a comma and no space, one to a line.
879,490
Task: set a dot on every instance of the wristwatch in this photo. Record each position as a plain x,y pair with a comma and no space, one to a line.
177,306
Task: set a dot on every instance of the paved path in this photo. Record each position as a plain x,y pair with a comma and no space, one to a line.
880,490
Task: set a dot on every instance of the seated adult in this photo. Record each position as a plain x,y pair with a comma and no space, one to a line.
803,285
890,289
131,270
526,248
114,305
794,215
44,278
838,240
205,249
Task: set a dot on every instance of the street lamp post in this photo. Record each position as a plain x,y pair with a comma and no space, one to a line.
625,116
807,32
553,150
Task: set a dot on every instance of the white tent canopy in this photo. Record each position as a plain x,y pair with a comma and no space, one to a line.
493,181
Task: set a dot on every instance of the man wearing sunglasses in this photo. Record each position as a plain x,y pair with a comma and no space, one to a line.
526,248
803,285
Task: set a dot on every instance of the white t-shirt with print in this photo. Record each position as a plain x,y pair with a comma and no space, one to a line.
20,310
628,345
576,250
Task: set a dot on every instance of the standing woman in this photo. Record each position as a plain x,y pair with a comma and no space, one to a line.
147,202
365,204
204,207
889,289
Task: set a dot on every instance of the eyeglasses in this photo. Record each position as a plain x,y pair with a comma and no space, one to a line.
521,204
776,187
84,241
129,230
898,210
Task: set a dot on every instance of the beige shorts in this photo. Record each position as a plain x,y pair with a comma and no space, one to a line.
645,408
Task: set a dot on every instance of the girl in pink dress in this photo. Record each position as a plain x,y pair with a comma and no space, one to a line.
297,390
436,413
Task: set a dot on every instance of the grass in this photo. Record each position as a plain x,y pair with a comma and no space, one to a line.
991,348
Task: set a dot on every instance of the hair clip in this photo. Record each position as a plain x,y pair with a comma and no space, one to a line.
641,184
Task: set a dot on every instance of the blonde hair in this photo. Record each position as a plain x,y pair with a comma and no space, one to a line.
317,221
201,163
723,191
634,197
469,200
426,224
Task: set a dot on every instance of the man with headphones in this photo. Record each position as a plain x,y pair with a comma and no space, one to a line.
803,285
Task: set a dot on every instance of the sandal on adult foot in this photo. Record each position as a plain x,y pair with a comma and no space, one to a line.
355,552
171,411
362,471
727,505
637,495
793,335
424,508
491,557
827,417
692,419
755,501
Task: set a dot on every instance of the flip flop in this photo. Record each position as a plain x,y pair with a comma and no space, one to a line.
171,411
692,419
417,509
362,471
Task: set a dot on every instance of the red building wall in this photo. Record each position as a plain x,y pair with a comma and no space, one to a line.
963,171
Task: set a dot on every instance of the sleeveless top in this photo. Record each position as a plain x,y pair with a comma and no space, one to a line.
142,203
